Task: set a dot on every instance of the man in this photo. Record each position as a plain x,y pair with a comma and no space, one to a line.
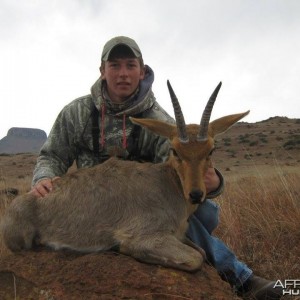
95,127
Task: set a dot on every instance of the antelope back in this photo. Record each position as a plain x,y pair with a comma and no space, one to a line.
191,146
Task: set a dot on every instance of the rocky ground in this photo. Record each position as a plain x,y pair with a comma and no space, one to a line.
46,275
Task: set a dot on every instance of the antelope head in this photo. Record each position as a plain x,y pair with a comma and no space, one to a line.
191,146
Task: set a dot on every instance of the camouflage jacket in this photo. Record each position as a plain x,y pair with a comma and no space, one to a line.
72,137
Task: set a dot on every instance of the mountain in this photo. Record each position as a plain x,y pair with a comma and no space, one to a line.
22,140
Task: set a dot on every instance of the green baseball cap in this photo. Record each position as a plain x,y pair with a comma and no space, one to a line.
120,40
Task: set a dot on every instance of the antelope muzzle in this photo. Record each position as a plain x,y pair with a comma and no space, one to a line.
196,196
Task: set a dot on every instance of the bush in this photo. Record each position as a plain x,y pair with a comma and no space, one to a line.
293,143
264,140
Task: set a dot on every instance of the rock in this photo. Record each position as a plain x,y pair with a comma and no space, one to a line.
63,275
22,140
27,132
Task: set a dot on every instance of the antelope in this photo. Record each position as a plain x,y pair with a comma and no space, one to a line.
140,208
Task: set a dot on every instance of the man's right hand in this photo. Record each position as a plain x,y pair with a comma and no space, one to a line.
43,187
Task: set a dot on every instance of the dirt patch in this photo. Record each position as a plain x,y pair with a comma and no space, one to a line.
62,275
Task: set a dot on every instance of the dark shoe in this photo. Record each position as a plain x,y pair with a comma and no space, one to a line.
258,288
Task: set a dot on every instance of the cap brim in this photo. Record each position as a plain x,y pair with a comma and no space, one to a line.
135,52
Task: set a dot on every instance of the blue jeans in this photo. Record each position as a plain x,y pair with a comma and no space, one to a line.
201,225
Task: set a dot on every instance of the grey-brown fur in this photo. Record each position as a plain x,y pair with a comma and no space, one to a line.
116,203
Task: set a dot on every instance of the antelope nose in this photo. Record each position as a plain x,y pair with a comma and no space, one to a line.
196,196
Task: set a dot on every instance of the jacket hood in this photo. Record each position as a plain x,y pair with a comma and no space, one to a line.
142,101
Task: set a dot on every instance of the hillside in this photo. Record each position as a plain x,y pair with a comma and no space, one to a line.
275,141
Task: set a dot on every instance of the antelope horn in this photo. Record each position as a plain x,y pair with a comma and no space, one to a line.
203,132
181,128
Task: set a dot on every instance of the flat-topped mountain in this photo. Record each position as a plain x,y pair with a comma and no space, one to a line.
22,140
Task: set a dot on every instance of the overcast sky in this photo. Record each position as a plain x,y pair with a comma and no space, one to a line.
50,54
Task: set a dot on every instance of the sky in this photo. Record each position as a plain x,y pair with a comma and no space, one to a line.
50,54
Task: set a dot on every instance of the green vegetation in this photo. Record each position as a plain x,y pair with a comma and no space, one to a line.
254,143
293,143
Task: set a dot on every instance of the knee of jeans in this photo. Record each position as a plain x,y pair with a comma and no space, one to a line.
208,214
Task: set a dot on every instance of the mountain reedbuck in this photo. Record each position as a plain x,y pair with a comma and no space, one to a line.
141,208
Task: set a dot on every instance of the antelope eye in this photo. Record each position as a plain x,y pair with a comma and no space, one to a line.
211,152
173,151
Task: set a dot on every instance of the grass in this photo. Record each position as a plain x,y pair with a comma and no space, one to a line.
260,221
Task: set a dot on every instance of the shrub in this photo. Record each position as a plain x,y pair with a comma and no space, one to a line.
264,140
293,143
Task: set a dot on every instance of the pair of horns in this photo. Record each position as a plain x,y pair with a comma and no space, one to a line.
181,127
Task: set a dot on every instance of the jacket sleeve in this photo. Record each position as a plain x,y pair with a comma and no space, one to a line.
59,151
161,152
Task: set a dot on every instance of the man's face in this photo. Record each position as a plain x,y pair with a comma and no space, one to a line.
122,76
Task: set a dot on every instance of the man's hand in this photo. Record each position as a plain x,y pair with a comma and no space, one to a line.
43,187
211,180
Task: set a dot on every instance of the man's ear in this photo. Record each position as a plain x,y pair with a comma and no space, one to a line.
102,71
142,74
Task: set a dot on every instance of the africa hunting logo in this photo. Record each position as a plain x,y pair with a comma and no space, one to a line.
290,286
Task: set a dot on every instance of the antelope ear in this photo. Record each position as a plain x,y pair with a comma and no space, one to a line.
156,126
222,124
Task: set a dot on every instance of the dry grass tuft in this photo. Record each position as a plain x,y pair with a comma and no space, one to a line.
4,202
260,221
